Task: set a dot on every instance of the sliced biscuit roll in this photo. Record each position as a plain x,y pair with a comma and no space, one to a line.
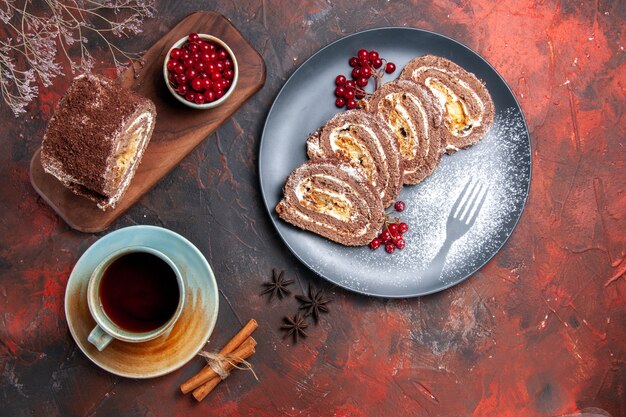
334,200
96,138
361,140
414,116
467,106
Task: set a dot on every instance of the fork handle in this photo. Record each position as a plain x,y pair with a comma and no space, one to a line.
436,265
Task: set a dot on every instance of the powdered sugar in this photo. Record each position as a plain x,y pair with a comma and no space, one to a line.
500,161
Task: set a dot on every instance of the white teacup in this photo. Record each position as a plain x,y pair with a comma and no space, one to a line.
106,328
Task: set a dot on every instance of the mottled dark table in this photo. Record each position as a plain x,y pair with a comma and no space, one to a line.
540,330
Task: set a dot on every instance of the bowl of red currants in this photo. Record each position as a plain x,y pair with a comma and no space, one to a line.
200,71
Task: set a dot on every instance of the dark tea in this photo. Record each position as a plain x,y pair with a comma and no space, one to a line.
139,292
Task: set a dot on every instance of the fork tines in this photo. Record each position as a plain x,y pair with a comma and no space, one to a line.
470,201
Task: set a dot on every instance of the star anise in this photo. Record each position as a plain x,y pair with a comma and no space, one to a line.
314,304
278,285
294,327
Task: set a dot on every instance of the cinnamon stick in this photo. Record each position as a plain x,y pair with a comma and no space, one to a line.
207,373
239,338
239,355
233,344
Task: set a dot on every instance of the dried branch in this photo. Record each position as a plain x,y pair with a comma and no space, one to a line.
34,41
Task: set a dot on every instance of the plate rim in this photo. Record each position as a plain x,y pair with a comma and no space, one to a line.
419,293
214,289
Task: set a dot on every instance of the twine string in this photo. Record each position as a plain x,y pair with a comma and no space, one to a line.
217,363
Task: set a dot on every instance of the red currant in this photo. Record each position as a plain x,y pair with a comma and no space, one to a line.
190,96
216,76
182,89
220,66
340,80
193,37
375,244
340,91
209,96
171,65
363,63
390,247
191,73
185,55
377,63
385,236
349,94
200,66
393,228
390,67
362,54
356,73
199,99
219,94
354,61
359,94
222,54
179,69
193,47
350,84
206,83
228,64
366,72
399,206
197,84
400,243
362,82
403,227
373,55
204,47
189,63
340,102
181,79
228,74
176,53
351,104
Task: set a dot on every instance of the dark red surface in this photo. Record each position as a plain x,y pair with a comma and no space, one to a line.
539,331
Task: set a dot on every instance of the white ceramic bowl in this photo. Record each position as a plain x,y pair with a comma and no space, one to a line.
215,103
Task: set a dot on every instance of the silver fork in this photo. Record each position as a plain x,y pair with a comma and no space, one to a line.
462,217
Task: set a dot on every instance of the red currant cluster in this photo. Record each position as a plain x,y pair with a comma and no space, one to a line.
200,70
366,65
391,236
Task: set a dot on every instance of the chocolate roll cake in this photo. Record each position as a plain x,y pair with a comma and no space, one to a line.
413,115
467,106
361,140
96,137
334,200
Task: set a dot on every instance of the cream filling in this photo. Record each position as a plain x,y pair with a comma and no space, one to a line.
127,153
303,216
395,100
336,134
448,100
409,143
325,201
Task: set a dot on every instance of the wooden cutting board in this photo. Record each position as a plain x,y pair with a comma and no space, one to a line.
179,129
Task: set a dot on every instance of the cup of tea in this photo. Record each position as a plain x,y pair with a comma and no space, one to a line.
135,294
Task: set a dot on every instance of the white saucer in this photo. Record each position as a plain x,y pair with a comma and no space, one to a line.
190,333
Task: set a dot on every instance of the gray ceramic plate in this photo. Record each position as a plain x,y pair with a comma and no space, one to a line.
190,333
430,262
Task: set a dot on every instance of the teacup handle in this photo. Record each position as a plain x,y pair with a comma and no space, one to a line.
99,338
